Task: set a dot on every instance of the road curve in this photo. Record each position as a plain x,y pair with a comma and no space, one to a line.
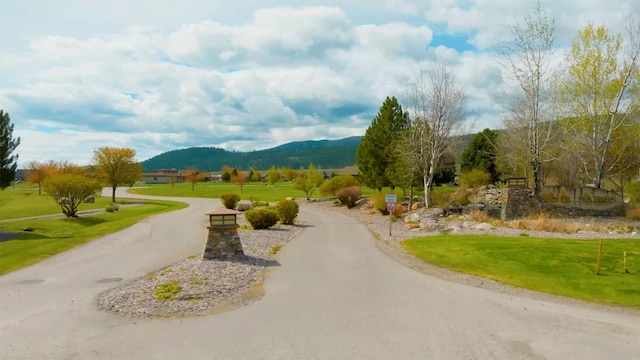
334,296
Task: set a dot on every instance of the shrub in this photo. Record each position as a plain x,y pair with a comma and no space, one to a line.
633,212
474,178
262,218
109,209
632,191
440,199
230,200
287,211
333,185
349,196
398,210
380,203
461,197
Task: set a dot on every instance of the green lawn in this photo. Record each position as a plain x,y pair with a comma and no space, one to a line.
563,267
53,236
259,191
22,202
256,191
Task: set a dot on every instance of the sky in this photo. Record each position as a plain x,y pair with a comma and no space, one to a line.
243,75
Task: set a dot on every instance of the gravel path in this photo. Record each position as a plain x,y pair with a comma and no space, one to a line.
206,286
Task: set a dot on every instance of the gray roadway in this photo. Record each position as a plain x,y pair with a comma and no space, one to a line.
335,296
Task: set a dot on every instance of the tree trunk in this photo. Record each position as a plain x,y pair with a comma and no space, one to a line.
113,193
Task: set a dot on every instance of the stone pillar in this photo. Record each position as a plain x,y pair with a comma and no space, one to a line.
223,242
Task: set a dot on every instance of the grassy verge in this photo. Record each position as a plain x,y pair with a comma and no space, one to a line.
53,236
22,202
563,267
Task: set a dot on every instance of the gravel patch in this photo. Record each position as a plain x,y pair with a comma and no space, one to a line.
207,286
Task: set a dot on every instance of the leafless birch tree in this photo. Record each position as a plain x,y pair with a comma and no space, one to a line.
438,106
526,60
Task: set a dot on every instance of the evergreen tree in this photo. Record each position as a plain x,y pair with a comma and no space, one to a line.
376,152
8,162
481,154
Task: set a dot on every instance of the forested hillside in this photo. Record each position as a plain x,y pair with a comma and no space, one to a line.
322,153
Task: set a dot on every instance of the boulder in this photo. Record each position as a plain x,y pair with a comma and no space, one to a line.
432,225
430,213
482,226
244,205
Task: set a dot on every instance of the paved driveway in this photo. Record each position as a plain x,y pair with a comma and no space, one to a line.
335,296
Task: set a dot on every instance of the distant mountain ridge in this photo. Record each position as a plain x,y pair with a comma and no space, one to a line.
326,154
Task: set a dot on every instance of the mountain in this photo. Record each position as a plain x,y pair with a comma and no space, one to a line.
313,144
325,154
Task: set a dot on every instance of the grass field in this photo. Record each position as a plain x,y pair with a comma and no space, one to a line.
563,267
53,236
24,201
256,191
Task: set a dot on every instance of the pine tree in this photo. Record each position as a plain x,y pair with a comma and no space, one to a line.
8,162
481,154
376,152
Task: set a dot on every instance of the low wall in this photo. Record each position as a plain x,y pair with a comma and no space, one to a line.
562,201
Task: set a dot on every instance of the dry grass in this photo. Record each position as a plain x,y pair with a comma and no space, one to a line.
479,215
440,199
633,212
542,222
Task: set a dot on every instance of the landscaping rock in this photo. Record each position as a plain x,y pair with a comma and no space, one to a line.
482,226
244,205
432,225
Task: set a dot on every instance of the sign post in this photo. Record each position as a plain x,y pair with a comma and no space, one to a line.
391,202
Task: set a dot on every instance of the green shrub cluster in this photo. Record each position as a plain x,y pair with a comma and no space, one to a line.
474,178
349,196
380,202
287,211
230,200
262,218
336,183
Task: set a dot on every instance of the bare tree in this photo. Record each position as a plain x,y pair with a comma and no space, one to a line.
526,60
438,111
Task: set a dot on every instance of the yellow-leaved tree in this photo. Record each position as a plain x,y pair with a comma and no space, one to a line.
599,94
116,167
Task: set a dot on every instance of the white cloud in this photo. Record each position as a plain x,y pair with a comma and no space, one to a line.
155,77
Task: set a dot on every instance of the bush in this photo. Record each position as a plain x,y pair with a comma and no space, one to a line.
109,209
632,191
349,196
633,212
287,211
380,202
474,178
230,200
263,218
398,210
333,185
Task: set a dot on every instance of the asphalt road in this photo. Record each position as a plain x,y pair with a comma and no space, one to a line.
334,296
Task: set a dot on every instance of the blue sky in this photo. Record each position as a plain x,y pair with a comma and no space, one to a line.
245,75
